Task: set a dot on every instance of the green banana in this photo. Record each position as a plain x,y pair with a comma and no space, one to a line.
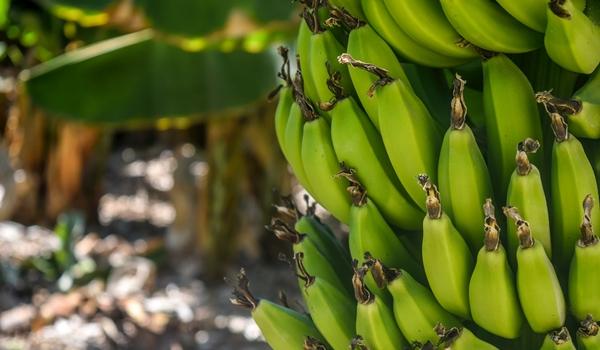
282,114
572,178
526,192
542,299
286,99
324,50
369,232
319,159
314,258
532,13
584,279
293,136
410,135
365,44
447,259
310,225
511,115
462,173
380,19
358,145
374,321
588,334
416,310
487,25
436,33
460,338
571,39
332,310
303,48
558,339
582,110
283,328
492,293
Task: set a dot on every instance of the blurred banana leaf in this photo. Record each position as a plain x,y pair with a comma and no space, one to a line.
4,6
193,18
139,77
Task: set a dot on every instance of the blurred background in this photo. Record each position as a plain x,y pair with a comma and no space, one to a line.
138,166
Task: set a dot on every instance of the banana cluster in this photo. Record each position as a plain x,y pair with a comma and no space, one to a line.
380,128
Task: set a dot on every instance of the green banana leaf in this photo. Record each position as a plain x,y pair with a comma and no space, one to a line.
4,7
139,78
194,18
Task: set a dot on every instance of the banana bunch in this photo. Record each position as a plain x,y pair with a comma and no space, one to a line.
470,210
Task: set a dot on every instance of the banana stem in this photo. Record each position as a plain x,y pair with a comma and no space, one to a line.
311,343
556,104
447,335
341,16
306,106
588,327
334,84
302,273
433,203
381,274
523,231
458,113
588,237
285,232
559,127
557,9
492,230
358,343
362,294
241,292
560,336
311,15
524,147
381,73
287,211
357,191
